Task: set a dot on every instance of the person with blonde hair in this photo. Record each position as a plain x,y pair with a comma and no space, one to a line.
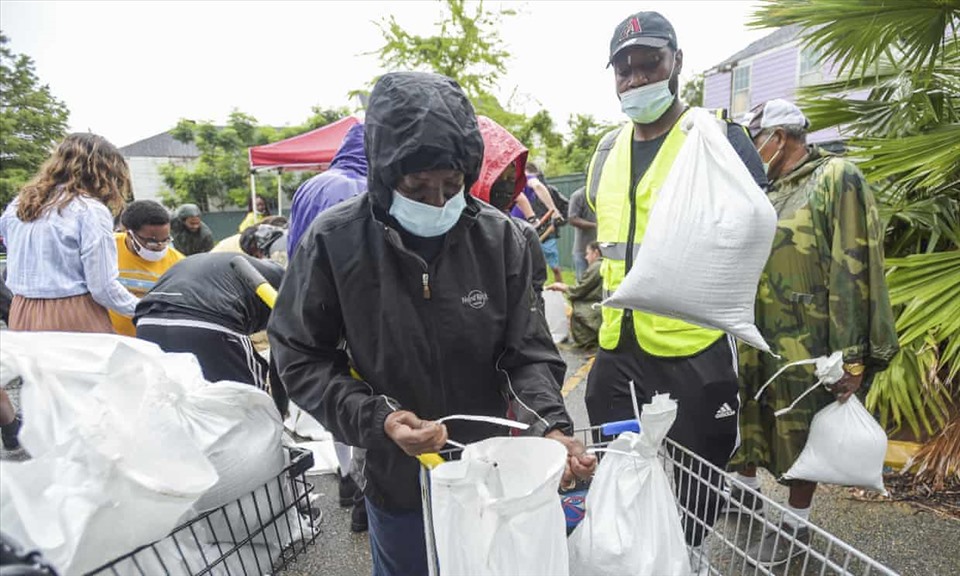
62,255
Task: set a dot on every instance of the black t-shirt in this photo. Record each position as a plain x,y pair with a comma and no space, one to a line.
205,287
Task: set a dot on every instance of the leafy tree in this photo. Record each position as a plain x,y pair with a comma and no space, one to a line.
574,155
906,56
468,48
692,92
220,176
32,121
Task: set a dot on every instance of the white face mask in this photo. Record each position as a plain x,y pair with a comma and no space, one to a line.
425,220
646,104
146,253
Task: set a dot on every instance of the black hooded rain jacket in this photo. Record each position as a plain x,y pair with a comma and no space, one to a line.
458,335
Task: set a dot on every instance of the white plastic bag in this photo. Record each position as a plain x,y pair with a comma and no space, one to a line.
846,446
496,511
112,469
238,428
555,310
632,525
707,240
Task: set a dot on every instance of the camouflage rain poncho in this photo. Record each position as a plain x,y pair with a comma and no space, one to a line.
822,290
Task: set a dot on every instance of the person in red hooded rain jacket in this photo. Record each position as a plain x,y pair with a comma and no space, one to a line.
502,179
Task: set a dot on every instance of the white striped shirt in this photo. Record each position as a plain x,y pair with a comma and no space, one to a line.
65,253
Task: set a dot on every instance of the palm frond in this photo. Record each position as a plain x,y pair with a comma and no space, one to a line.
930,160
858,34
909,392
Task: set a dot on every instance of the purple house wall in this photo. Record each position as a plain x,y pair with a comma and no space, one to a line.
774,63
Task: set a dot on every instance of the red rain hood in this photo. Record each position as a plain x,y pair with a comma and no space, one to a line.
500,149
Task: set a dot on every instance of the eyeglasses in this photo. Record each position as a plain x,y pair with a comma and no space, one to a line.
151,242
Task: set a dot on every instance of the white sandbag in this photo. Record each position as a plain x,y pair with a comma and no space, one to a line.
238,428
111,469
845,446
496,511
632,525
81,373
555,310
707,240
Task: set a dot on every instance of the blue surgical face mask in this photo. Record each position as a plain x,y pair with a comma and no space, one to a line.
766,165
425,220
648,103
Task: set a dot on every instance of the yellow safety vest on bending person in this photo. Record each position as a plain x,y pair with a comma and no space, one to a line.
608,192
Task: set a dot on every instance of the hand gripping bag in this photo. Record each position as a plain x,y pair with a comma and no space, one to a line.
707,240
632,524
845,444
496,510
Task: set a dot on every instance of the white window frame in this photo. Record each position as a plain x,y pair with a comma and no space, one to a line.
812,60
735,111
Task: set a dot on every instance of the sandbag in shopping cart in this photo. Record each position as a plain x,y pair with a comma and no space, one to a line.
632,525
127,442
495,510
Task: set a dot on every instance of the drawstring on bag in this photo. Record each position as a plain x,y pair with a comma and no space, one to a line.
829,371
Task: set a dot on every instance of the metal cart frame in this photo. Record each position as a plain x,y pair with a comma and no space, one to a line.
264,519
725,542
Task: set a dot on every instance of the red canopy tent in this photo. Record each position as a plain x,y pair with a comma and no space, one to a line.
312,150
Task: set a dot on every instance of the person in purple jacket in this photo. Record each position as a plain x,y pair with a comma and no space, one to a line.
346,178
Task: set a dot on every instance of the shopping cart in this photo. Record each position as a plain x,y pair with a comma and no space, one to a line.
260,533
704,488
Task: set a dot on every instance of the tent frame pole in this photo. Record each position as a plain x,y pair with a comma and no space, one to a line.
279,191
253,190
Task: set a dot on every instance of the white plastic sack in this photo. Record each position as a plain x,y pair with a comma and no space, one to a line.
632,525
238,428
112,469
846,446
496,511
707,240
555,310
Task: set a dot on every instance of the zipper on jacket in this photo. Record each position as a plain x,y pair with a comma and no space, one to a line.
426,286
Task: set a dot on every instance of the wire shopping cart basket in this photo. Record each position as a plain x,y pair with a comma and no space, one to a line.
724,528
259,533
727,527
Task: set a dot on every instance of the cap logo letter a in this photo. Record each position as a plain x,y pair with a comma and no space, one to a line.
632,27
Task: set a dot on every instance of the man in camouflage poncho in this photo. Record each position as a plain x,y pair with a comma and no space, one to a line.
822,290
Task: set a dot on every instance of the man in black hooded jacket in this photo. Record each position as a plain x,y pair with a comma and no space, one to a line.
427,294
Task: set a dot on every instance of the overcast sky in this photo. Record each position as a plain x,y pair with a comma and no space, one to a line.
129,70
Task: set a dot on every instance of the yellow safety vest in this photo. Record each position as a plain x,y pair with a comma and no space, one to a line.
608,192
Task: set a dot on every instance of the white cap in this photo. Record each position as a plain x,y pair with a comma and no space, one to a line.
773,113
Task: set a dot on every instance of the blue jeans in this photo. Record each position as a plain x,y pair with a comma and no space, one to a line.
397,544
579,265
550,252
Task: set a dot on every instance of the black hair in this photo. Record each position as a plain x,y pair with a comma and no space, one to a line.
595,246
266,205
142,213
